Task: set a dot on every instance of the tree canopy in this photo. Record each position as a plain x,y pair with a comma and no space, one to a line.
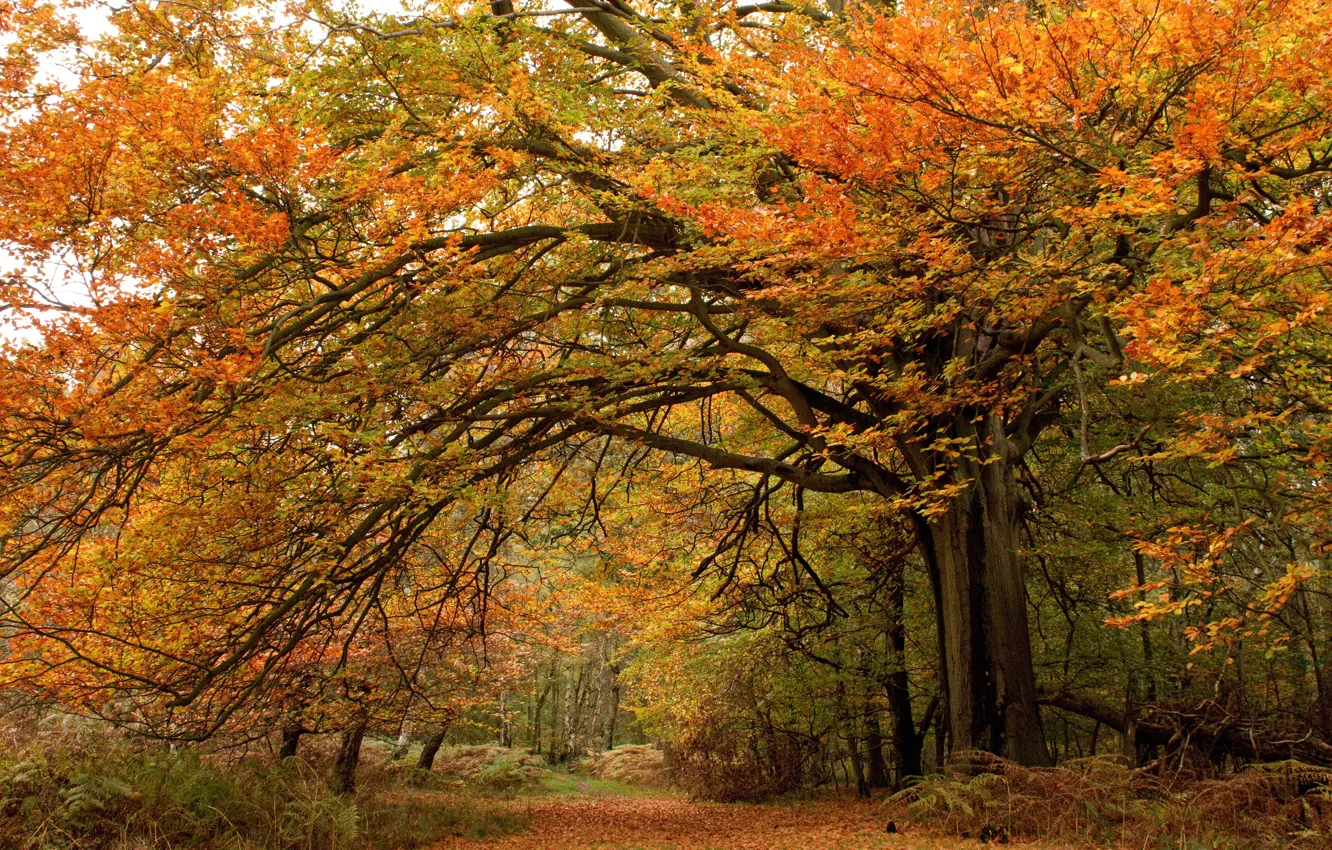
948,346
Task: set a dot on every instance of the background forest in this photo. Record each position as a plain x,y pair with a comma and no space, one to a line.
930,398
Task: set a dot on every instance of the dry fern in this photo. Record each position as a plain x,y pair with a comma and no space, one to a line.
1101,801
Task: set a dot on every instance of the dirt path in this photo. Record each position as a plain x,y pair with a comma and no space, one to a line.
630,823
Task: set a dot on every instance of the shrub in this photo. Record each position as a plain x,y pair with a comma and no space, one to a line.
730,764
111,795
506,773
492,766
635,764
1100,800
75,786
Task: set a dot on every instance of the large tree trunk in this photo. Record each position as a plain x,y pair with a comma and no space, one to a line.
349,757
986,642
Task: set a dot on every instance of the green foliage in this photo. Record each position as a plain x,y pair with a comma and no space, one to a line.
506,773
111,794
95,792
491,767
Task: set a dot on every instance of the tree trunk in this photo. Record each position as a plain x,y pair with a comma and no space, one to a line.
430,748
291,740
558,684
857,764
536,716
1322,712
850,736
907,742
596,721
877,768
1148,655
349,756
931,718
403,744
573,703
940,743
613,709
987,663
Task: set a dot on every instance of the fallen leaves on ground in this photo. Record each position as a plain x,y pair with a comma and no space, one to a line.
623,823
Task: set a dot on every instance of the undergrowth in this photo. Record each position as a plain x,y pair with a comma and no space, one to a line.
84,788
491,767
1100,801
641,765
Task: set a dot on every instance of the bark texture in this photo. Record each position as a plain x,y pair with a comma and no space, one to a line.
349,758
985,638
430,748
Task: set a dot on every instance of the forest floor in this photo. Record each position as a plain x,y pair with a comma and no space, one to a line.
606,819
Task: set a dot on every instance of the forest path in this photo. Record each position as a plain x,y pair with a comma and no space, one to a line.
658,823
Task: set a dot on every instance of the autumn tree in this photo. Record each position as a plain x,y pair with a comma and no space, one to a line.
390,269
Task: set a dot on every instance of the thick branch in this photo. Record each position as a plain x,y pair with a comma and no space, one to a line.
721,459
